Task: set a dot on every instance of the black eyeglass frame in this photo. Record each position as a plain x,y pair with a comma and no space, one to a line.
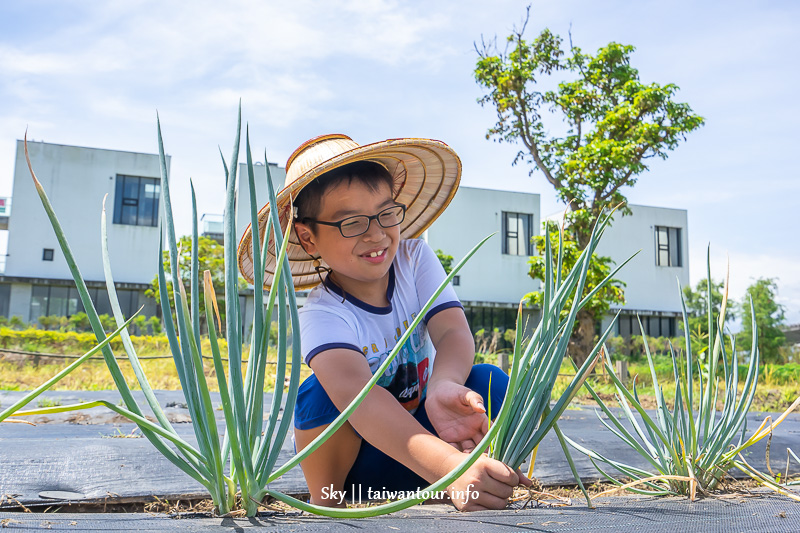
370,218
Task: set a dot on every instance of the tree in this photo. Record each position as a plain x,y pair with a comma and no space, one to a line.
697,313
599,268
614,122
697,304
770,315
445,260
210,256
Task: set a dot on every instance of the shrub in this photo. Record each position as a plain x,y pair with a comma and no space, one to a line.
79,322
155,325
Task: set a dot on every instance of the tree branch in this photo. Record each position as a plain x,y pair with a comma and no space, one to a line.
604,197
528,141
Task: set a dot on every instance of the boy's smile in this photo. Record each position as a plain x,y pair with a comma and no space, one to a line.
360,264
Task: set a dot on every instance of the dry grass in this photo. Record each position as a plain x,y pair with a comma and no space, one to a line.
20,373
772,395
538,496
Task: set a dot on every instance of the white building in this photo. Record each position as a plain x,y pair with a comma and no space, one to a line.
37,280
278,176
652,277
496,278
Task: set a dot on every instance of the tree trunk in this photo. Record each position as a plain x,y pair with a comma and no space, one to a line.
582,341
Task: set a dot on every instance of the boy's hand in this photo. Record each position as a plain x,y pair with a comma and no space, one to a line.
488,484
457,414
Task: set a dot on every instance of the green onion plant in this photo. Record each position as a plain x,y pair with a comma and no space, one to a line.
243,461
237,467
691,447
538,362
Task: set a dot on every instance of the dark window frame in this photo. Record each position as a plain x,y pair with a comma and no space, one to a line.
136,200
510,235
668,246
69,303
654,325
48,254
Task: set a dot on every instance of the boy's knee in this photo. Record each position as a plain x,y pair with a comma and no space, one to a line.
489,380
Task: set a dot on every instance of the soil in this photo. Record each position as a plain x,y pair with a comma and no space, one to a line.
524,497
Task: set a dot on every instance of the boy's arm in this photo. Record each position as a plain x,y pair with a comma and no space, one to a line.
456,412
385,424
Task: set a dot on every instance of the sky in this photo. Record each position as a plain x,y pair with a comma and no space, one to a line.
94,73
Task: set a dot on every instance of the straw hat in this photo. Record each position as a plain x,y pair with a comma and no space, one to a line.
426,175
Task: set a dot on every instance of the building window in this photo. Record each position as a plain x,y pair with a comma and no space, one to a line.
654,326
668,246
456,281
489,324
517,234
54,300
47,254
47,300
136,200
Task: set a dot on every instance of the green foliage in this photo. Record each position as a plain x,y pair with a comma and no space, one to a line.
70,342
691,447
32,395
155,325
696,310
697,304
210,257
80,322
615,122
140,324
445,260
53,322
239,465
535,365
783,374
16,322
612,292
107,322
769,314
48,402
633,348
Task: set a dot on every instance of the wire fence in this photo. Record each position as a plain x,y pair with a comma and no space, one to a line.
36,355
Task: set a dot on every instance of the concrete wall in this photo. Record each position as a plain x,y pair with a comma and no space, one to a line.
490,276
649,287
75,180
278,175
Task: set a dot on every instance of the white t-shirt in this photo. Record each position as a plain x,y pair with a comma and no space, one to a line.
327,322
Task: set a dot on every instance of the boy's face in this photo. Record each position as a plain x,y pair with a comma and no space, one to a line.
359,263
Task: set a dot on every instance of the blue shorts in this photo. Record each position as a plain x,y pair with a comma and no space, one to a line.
373,468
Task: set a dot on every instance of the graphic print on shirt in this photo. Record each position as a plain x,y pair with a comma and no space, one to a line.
408,372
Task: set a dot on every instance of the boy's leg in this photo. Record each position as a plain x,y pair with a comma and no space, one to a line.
377,471
478,381
326,468
364,465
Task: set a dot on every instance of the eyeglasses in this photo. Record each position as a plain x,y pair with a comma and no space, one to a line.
359,224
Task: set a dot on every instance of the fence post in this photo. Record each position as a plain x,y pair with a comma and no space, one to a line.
503,356
621,369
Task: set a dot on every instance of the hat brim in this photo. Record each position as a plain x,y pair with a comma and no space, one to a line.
426,174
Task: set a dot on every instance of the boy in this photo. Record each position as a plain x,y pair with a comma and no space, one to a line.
357,209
